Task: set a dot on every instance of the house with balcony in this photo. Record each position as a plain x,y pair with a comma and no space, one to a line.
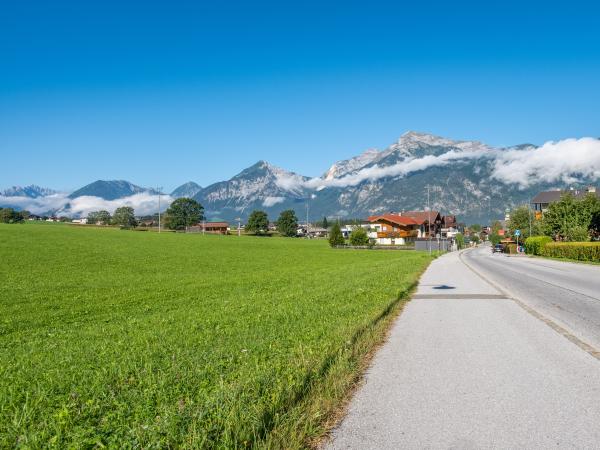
392,229
542,200
429,222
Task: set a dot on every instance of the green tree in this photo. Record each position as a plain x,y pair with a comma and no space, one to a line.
124,217
258,222
520,218
325,223
9,215
359,236
103,217
475,227
184,212
92,218
590,206
568,218
335,235
287,224
496,226
495,238
460,240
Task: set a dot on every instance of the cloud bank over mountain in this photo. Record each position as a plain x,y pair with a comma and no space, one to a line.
564,161
143,203
471,178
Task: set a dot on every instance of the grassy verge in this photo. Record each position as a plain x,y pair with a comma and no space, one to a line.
123,339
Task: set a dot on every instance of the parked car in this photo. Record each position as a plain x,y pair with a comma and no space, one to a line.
498,248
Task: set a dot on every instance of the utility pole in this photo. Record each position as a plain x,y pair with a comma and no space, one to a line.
529,214
307,228
239,221
159,192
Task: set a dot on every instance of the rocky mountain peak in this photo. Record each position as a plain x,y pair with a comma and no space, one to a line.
31,191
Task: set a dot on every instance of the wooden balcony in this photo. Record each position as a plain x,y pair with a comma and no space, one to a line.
397,234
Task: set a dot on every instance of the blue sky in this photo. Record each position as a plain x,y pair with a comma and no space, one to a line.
160,93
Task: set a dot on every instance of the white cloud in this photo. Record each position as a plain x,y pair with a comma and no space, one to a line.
143,203
375,172
564,161
37,205
272,201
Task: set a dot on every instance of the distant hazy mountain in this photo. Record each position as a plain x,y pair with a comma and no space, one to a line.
110,190
31,191
189,189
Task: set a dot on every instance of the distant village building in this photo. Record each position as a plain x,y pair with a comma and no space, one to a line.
393,229
210,227
408,226
542,200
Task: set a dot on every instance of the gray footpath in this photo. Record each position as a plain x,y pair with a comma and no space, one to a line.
465,367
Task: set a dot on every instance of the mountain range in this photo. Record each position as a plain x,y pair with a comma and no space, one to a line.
475,181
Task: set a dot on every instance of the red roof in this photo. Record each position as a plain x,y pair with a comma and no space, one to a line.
393,218
420,217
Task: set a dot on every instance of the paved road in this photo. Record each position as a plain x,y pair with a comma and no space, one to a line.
567,293
465,367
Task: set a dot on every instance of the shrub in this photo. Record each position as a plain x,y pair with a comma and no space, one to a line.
359,237
578,233
534,244
582,251
511,249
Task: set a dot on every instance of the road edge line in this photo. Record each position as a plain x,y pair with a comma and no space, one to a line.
556,327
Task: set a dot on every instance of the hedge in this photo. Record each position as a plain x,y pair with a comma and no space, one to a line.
534,244
582,251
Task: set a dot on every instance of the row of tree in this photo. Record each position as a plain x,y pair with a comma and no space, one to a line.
123,216
358,237
286,224
182,213
569,219
9,215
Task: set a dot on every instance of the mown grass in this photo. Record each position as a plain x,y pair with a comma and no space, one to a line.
127,339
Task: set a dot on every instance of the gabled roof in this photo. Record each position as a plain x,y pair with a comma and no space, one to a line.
393,218
547,197
554,196
421,216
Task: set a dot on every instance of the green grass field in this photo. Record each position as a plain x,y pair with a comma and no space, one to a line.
137,339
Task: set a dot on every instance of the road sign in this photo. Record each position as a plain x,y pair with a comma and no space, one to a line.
517,232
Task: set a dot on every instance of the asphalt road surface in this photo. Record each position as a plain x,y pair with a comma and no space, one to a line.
468,367
567,293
